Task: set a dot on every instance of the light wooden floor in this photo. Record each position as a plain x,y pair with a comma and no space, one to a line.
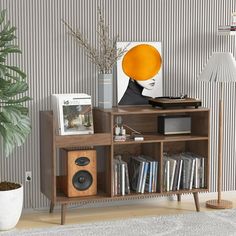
41,218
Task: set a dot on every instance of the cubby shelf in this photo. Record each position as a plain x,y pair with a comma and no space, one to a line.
161,138
140,118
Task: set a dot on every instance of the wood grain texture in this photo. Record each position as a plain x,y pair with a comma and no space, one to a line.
222,204
100,139
47,152
71,168
196,200
153,145
220,150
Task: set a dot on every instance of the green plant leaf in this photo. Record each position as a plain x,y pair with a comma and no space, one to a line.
17,108
8,143
15,134
17,70
11,113
2,58
4,83
14,121
15,88
2,16
2,43
12,76
7,38
7,31
3,70
3,118
20,100
25,125
10,50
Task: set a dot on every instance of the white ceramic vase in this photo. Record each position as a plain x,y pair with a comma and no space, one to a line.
105,91
11,203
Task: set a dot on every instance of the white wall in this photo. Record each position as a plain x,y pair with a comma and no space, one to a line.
54,64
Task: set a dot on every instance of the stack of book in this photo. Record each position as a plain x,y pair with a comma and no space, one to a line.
183,171
143,174
121,184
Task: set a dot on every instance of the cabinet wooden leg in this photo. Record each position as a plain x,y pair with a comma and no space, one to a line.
196,200
179,197
63,213
51,207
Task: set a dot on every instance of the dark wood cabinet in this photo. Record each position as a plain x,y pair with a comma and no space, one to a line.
140,118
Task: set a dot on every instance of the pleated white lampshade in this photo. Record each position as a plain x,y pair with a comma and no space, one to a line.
221,67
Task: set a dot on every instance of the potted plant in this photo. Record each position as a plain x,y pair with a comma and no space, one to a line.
14,121
104,57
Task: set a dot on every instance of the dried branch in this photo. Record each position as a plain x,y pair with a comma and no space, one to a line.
107,54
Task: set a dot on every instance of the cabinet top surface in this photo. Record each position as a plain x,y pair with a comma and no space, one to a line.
146,109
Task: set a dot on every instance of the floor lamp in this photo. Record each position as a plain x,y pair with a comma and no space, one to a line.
221,68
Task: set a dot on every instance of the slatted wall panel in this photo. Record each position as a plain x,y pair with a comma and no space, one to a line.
54,64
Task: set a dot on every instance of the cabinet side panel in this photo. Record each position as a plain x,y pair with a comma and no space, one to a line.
104,169
46,154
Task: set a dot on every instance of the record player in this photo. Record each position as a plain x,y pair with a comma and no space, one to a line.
174,102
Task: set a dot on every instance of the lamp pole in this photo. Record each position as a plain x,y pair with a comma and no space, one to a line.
220,143
219,203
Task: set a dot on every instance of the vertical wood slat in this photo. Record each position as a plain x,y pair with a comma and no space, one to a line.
54,64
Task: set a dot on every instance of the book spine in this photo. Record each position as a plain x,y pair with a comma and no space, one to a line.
151,163
115,177
146,164
176,175
118,179
196,176
148,178
127,185
192,173
202,173
122,179
172,173
168,176
180,174
155,176
140,177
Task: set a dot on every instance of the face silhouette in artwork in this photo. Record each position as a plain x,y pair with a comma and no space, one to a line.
147,84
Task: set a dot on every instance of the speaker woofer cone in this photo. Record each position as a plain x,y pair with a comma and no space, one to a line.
82,180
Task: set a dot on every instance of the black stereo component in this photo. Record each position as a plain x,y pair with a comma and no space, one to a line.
174,124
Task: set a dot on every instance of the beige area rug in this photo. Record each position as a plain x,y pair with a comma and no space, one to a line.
215,223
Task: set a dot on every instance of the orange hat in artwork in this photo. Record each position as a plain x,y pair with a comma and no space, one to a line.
142,62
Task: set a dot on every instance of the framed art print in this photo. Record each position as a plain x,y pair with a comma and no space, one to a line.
139,73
